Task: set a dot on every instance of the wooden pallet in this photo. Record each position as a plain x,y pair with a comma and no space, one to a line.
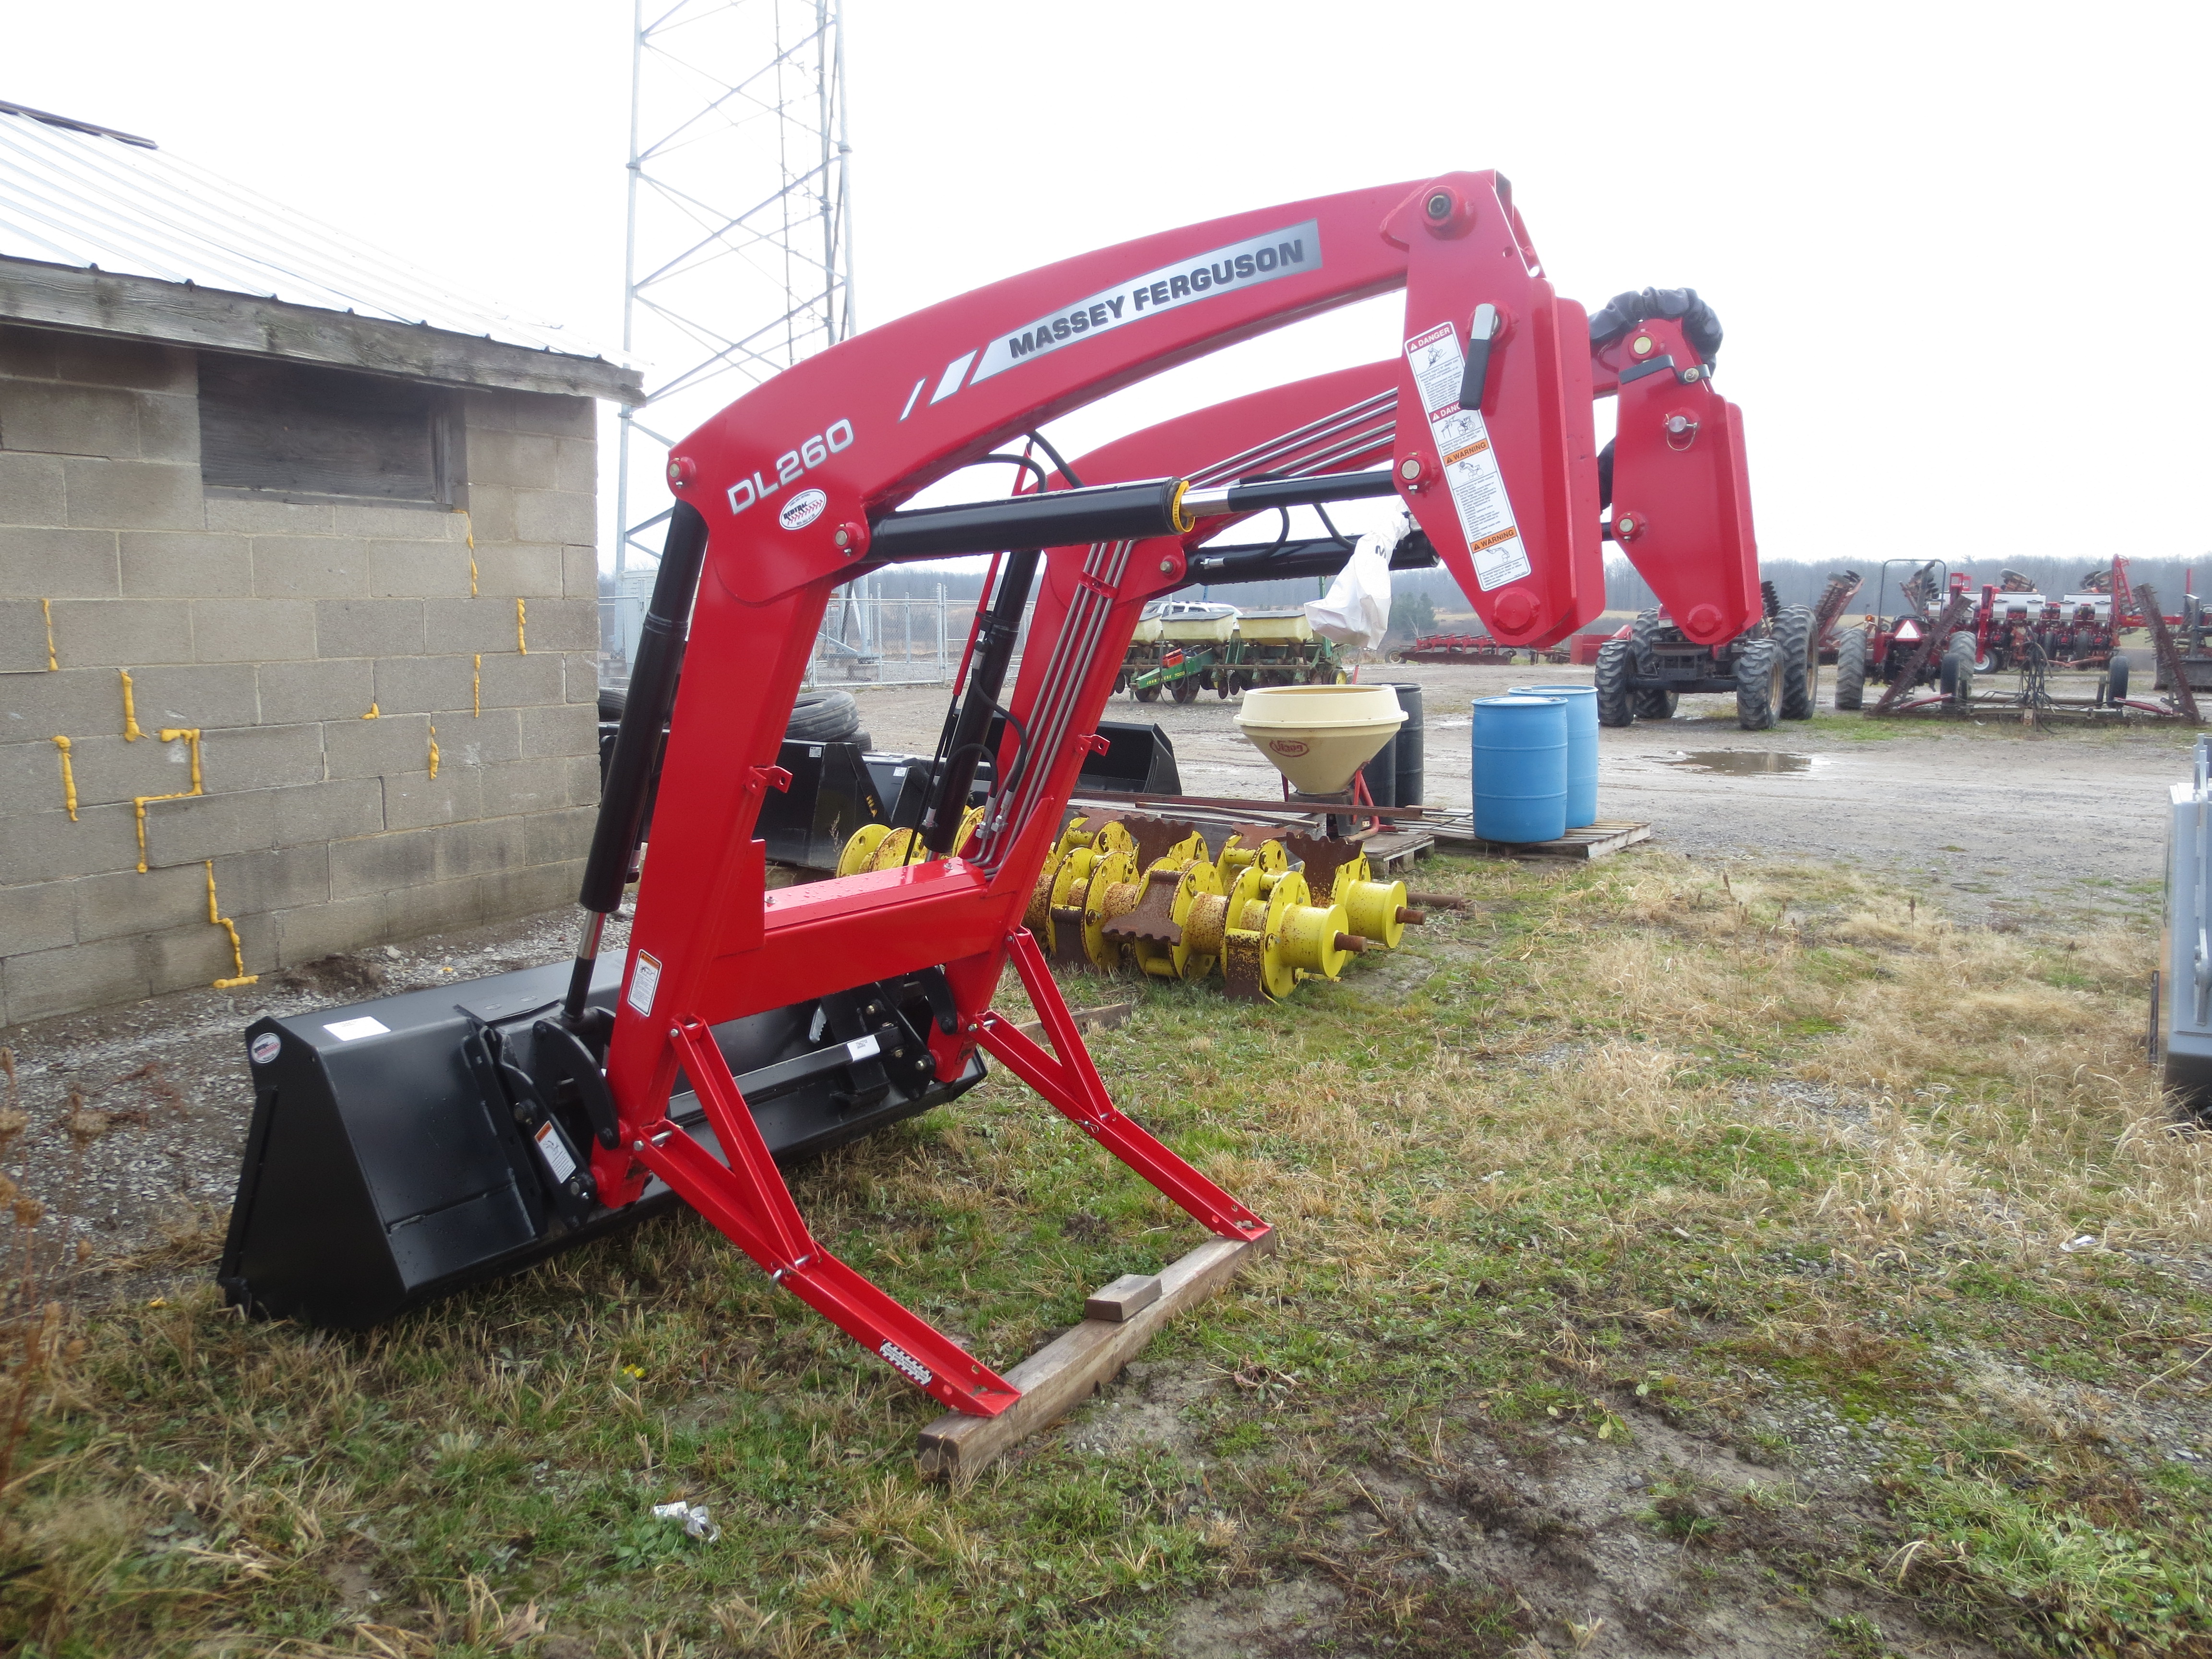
1083,1359
1596,841
1392,853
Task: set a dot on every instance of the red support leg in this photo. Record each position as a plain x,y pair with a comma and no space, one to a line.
748,1200
1068,1079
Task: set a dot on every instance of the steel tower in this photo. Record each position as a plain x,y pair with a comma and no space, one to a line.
738,257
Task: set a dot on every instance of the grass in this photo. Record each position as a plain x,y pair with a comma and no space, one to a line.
1632,1156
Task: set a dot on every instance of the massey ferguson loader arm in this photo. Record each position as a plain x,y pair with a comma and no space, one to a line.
792,491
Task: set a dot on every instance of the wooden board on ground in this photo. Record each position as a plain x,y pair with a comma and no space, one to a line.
1076,1364
1104,1017
1595,841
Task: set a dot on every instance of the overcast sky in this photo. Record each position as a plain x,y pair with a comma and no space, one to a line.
1960,251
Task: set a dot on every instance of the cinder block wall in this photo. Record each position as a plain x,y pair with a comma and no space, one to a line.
272,629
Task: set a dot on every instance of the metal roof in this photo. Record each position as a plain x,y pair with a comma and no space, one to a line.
75,194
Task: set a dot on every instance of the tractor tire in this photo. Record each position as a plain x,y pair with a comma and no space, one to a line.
1850,669
611,704
1187,688
1615,704
1641,633
1147,693
822,717
1657,705
2115,680
1801,662
1757,684
1957,665
1962,685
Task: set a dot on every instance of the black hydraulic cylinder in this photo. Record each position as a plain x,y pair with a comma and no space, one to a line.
629,788
1106,512
987,677
1322,555
1264,495
1053,518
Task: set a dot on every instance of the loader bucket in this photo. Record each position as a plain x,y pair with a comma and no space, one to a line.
404,1148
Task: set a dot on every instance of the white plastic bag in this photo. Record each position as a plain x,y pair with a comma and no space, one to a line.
1356,610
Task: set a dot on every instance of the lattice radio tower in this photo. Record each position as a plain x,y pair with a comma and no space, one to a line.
738,259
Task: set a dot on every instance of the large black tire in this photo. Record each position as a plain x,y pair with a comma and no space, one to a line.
1642,632
1757,684
1657,705
1185,690
1801,662
2115,680
611,704
1957,667
822,717
1850,669
1614,661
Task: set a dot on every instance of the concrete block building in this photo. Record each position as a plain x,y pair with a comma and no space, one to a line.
298,587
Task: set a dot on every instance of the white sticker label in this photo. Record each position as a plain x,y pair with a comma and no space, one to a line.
866,1048
550,1147
1470,464
802,509
644,982
1242,265
352,1030
265,1047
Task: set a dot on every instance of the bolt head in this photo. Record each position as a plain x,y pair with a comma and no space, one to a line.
1440,205
1641,345
1409,468
1167,567
679,471
1625,528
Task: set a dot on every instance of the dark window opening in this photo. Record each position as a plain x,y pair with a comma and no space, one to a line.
291,431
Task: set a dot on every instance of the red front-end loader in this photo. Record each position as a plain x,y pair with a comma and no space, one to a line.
403,1148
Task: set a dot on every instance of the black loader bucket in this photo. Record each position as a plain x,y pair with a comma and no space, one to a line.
403,1148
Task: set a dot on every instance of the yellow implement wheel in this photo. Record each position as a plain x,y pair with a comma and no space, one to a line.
1374,908
1114,889
1308,938
1197,882
1237,853
861,850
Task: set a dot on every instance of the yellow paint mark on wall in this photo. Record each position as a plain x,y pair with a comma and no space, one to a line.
469,530
476,689
46,607
521,616
217,918
433,752
131,732
68,779
191,734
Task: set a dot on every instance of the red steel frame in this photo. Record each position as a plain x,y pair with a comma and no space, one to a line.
872,420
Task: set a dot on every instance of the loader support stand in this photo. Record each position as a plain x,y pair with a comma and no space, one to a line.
748,1200
1068,1079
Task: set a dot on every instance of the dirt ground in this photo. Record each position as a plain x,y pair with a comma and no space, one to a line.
2006,825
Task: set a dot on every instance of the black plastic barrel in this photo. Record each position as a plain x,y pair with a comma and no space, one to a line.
1381,774
1409,748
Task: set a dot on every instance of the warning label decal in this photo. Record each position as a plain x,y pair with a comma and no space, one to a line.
1478,489
644,982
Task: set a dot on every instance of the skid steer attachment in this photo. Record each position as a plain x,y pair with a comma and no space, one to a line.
403,1148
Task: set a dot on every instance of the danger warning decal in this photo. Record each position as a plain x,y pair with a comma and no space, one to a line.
1248,263
1462,441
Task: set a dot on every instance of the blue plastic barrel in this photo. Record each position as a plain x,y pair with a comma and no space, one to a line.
1581,747
1520,769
